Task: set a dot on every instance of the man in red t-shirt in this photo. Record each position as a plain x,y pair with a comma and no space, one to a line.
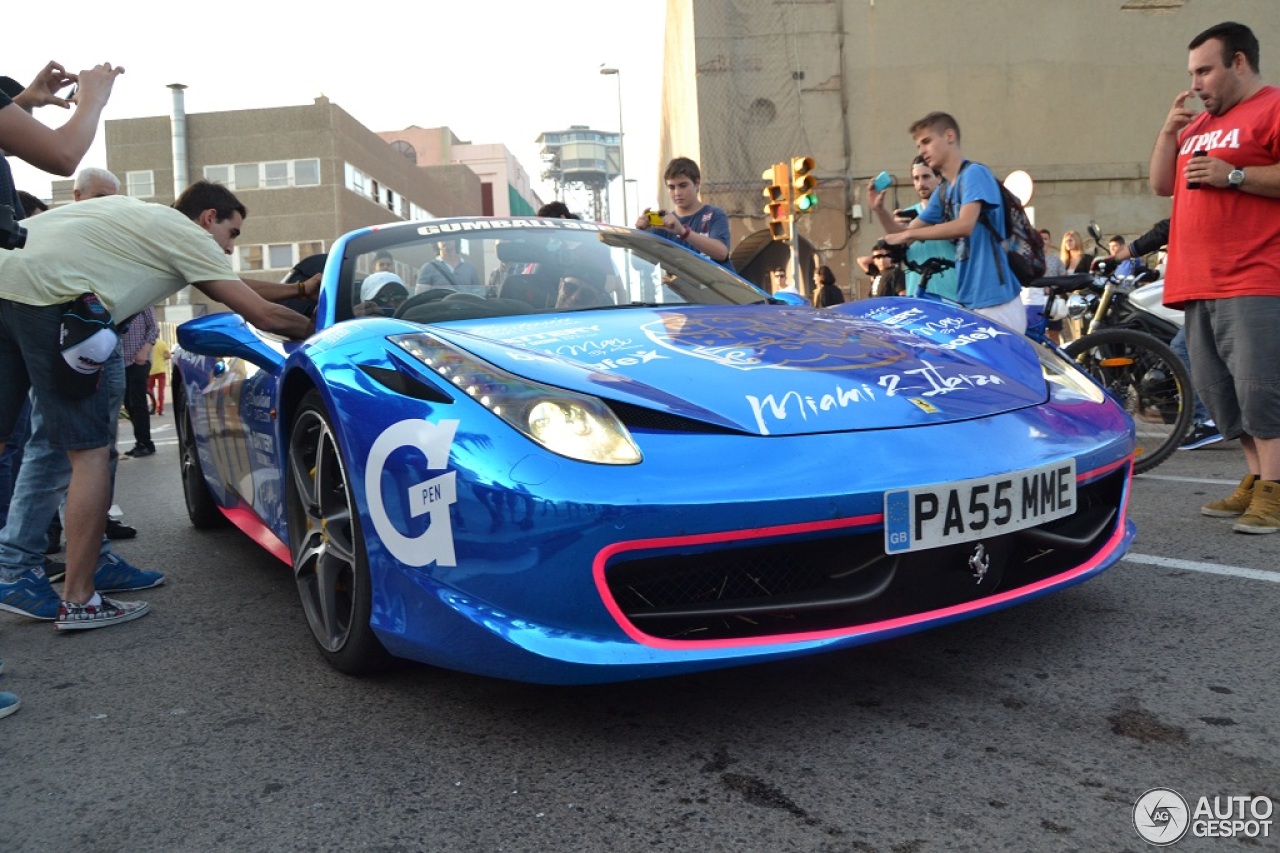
1222,167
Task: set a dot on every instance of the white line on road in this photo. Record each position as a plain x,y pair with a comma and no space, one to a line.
1207,568
1186,479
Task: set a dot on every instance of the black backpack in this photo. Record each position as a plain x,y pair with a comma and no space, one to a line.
1023,245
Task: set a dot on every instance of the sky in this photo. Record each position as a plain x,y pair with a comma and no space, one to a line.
495,71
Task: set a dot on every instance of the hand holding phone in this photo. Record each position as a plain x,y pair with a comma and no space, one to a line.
906,213
882,182
1195,185
657,218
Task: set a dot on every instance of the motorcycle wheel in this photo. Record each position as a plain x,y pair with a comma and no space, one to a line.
1148,380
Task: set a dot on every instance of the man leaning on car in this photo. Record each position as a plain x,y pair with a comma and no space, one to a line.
122,255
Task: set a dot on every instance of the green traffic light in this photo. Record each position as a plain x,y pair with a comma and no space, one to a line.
806,202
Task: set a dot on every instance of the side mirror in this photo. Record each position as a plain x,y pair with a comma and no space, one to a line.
227,335
1096,233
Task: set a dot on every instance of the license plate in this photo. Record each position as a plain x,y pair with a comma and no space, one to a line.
948,513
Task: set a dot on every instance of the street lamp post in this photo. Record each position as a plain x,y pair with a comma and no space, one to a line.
622,154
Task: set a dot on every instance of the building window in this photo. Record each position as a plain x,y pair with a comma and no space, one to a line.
279,256
140,184
275,175
312,247
246,176
250,257
306,173
357,181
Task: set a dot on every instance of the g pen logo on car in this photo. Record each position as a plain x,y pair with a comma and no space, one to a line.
924,405
432,497
1161,816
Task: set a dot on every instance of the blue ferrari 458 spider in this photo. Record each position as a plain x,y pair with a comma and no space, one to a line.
564,452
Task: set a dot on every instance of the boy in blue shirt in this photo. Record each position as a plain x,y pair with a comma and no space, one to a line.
704,228
966,209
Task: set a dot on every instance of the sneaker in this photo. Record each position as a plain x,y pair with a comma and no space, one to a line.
1201,435
108,611
120,530
30,595
139,451
116,575
8,704
1263,515
1235,503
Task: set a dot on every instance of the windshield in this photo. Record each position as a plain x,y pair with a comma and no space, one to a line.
462,269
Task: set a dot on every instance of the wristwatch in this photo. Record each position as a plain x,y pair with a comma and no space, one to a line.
1236,178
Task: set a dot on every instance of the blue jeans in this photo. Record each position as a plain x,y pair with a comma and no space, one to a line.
42,485
1179,346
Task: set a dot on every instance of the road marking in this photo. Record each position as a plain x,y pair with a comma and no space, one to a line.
1207,568
1187,479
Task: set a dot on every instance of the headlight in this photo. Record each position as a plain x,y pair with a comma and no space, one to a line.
1079,305
1061,371
570,424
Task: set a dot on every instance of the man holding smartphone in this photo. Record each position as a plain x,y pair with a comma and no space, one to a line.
1222,167
925,180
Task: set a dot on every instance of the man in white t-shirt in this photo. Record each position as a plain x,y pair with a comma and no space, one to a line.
128,255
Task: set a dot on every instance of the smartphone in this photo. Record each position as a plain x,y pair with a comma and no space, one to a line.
1195,185
882,182
907,213
656,218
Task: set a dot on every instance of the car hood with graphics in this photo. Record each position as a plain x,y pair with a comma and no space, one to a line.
773,370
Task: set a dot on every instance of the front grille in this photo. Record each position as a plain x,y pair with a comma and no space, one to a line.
801,584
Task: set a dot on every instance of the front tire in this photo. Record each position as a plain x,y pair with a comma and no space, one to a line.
1147,378
330,563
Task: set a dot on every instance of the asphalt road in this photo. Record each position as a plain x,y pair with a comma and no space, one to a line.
212,724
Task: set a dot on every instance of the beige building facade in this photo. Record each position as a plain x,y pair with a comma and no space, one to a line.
1071,92
307,174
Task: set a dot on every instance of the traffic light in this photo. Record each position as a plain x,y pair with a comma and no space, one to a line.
804,184
778,196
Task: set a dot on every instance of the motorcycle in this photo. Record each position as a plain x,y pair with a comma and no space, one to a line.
1123,302
1125,348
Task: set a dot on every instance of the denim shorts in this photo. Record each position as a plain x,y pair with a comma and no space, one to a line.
1235,362
28,347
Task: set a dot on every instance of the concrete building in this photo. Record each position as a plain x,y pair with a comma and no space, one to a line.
1073,93
307,175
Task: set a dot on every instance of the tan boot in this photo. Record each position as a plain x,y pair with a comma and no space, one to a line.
1263,515
1234,505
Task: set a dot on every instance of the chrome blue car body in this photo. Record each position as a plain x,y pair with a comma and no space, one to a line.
682,476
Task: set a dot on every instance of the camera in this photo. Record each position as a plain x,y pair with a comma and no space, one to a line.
12,235
906,213
656,218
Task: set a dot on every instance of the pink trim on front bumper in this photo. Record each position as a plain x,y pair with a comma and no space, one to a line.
606,554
